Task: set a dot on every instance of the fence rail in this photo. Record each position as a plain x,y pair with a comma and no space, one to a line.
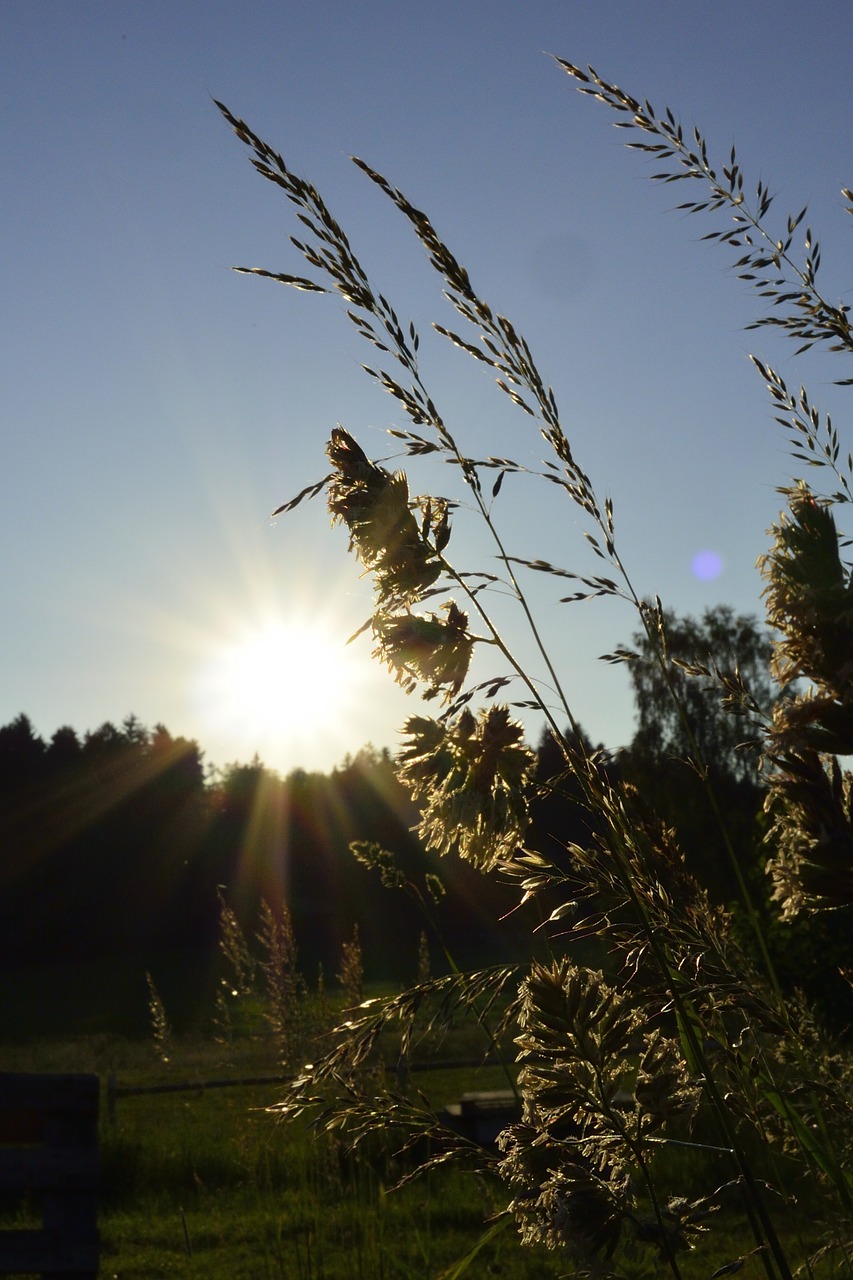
115,1091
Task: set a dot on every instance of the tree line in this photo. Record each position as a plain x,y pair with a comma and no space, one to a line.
117,843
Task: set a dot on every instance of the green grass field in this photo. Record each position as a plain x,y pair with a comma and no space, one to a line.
210,1184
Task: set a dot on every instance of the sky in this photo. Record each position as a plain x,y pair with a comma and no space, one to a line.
156,406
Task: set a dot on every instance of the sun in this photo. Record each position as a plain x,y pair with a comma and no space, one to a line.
283,682
287,668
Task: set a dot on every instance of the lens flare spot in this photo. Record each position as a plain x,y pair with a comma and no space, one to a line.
707,565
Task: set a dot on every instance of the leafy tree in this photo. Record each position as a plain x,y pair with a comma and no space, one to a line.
718,668
681,1012
701,688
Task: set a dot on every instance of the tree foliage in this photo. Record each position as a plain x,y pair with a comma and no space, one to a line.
708,697
703,693
118,846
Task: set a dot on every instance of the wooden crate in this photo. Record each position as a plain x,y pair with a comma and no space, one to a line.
482,1114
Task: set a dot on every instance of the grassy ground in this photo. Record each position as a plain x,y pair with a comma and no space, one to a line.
209,1184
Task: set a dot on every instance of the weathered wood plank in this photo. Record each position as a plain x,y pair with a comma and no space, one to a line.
22,1092
49,1149
49,1169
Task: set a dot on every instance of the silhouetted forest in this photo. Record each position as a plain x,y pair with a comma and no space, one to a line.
116,843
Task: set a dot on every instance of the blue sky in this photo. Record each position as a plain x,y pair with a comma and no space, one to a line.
156,407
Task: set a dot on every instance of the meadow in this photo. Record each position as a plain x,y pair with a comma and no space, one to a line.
209,1182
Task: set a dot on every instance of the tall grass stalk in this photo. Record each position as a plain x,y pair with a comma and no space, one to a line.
285,988
351,974
683,1028
161,1031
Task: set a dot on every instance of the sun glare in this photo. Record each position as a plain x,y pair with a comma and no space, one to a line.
282,683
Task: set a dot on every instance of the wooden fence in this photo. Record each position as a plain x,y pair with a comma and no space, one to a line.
49,1151
402,1069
